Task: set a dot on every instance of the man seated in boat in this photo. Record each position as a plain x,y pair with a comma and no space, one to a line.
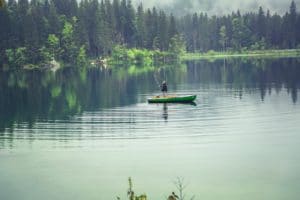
164,88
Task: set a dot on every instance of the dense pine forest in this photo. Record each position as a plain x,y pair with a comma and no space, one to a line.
38,31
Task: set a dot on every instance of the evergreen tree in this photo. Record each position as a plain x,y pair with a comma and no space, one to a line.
241,34
140,27
81,30
162,31
223,37
105,33
116,12
172,27
275,30
298,31
12,26
129,29
195,32
23,30
4,34
261,24
73,8
111,23
94,24
292,24
54,24
268,29
69,48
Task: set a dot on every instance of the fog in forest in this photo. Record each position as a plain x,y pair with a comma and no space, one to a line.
218,7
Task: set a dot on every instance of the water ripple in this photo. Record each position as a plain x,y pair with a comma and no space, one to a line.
217,114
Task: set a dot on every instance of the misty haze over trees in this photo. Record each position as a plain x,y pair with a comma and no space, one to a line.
37,31
217,7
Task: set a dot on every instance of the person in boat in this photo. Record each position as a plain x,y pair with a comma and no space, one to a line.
164,88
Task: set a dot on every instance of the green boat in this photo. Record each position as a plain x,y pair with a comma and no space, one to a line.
172,99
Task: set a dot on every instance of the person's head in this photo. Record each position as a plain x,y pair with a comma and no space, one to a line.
164,82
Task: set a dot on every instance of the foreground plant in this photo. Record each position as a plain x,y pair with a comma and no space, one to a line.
181,186
130,193
179,183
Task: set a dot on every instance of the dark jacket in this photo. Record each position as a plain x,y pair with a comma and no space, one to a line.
164,87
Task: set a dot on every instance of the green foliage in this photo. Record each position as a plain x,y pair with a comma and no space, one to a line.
53,45
69,48
55,91
179,184
67,32
237,36
119,54
81,59
71,99
124,56
177,46
10,54
131,195
16,57
45,55
260,45
20,56
223,37
211,53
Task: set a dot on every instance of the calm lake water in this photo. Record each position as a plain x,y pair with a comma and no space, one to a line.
80,133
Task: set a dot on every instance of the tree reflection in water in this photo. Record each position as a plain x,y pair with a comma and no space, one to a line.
30,95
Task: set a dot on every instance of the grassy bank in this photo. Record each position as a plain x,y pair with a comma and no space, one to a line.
228,54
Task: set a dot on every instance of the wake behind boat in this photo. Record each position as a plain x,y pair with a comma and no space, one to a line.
172,99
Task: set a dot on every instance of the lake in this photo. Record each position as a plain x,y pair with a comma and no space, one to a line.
80,133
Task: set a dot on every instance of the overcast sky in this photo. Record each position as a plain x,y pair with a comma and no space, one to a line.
219,7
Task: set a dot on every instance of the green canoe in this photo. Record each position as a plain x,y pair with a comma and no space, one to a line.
172,99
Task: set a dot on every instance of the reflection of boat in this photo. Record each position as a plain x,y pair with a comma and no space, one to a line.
172,99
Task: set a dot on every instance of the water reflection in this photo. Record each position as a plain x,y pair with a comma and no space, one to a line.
165,111
30,96
77,128
165,114
245,75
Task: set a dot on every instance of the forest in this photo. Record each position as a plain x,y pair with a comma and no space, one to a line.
38,31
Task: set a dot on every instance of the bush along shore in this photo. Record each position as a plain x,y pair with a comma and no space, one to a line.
122,56
144,57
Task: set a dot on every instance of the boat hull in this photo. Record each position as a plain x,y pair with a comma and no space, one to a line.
172,99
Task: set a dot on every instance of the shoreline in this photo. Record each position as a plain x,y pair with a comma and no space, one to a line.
257,53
